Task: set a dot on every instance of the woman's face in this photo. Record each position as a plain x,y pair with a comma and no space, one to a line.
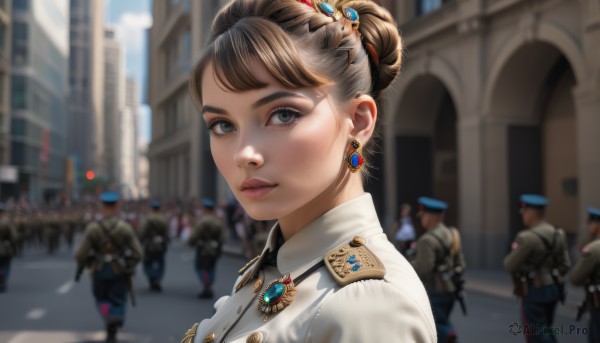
278,148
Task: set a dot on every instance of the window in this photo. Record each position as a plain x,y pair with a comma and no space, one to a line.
18,153
186,53
20,49
22,5
18,127
2,38
19,92
2,78
426,6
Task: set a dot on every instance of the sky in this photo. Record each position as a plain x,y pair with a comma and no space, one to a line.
130,19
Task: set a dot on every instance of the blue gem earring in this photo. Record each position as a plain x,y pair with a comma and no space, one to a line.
355,160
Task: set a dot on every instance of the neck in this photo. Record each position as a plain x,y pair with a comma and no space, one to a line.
340,192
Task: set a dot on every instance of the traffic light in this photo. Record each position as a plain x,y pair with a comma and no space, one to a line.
90,175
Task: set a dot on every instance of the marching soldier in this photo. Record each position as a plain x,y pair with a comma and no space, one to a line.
207,238
155,238
537,262
587,273
111,250
53,231
440,264
8,246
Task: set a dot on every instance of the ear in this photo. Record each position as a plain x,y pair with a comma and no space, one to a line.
363,116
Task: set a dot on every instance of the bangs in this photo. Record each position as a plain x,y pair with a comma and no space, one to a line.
252,40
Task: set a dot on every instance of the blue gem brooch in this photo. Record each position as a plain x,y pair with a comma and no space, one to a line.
277,296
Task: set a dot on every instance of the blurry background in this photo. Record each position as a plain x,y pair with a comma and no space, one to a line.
496,98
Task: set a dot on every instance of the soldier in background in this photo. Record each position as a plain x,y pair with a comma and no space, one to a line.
207,237
111,250
8,246
52,231
69,220
537,262
440,264
154,235
586,273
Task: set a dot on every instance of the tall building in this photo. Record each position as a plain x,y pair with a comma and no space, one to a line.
180,162
86,80
496,98
39,92
129,142
5,49
114,105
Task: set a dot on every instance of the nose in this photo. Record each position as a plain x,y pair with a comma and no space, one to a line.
249,157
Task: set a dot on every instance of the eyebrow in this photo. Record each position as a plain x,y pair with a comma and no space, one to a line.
261,102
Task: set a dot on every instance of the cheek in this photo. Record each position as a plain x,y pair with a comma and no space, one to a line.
313,149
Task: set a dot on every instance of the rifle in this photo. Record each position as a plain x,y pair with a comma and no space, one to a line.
560,284
582,309
131,289
81,267
91,257
520,284
459,293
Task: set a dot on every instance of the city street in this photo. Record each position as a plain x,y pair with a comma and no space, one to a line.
44,305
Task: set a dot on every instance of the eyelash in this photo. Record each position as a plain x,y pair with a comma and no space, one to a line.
213,123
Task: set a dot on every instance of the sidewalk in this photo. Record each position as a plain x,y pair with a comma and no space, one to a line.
491,282
497,283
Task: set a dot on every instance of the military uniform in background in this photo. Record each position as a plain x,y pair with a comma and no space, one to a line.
586,273
111,250
52,232
537,262
440,264
8,247
207,237
154,235
70,228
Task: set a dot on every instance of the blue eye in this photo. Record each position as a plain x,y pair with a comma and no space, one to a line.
220,127
284,116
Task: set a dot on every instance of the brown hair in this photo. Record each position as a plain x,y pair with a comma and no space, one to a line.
301,48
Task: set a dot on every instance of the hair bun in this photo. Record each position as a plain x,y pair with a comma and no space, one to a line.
380,35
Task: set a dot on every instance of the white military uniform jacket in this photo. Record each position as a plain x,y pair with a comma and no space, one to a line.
391,308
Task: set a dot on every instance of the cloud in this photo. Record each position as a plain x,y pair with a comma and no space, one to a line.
131,30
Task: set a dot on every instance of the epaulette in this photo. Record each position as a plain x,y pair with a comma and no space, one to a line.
353,262
248,275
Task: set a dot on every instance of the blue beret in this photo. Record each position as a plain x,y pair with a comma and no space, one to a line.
155,204
594,214
209,203
432,205
2,207
109,197
534,200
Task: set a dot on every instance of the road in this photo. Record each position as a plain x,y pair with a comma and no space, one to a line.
43,304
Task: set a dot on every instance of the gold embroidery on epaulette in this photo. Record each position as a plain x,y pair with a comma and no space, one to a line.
190,334
248,265
351,262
